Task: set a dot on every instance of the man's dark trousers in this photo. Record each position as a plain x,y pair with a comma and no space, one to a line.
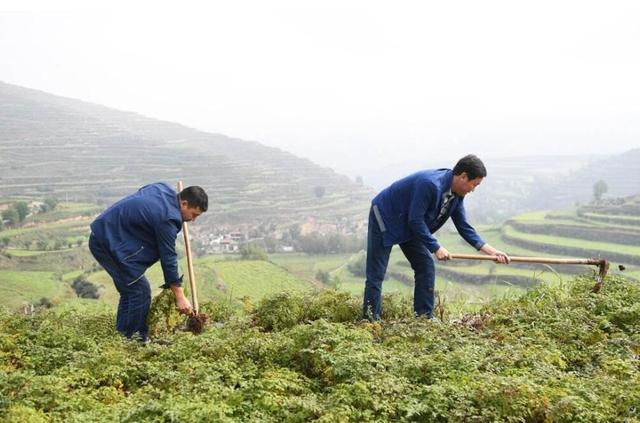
135,297
377,260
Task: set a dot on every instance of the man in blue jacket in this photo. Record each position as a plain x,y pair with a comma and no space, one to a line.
408,213
133,234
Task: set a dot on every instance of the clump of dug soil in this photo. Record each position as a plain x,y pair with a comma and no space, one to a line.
196,322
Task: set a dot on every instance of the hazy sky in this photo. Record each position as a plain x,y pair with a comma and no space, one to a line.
356,85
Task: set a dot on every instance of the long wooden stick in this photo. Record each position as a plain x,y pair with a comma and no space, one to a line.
543,260
192,276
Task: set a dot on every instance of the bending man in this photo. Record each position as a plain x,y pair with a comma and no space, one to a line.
133,234
408,213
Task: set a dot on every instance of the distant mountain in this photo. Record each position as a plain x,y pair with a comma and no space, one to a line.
55,146
621,172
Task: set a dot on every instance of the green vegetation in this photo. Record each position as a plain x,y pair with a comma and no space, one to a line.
599,189
58,243
306,266
20,288
252,252
16,252
559,354
573,242
631,220
557,233
256,279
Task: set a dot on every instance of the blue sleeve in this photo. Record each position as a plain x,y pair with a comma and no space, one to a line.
166,237
423,196
465,230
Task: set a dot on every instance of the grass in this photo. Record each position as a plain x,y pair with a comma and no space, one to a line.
19,252
573,242
72,275
64,211
584,224
455,244
464,298
20,287
618,217
58,227
255,279
552,354
217,277
306,266
355,284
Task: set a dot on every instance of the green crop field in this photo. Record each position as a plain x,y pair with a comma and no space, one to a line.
16,252
64,226
631,219
573,242
63,211
307,266
501,237
256,279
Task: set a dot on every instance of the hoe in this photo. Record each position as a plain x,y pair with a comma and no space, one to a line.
603,264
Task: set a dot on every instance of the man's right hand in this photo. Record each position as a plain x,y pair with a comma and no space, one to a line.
443,254
182,303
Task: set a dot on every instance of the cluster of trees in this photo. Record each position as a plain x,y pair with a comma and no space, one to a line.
17,212
252,251
358,267
327,280
86,289
44,242
599,189
317,243
48,204
313,243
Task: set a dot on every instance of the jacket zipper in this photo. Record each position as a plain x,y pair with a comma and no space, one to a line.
135,280
134,254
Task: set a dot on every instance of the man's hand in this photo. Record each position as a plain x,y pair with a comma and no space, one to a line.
182,303
443,254
501,257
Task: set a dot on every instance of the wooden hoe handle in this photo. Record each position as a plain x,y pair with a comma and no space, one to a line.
192,276
602,264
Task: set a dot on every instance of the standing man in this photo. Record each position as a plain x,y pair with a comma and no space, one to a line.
408,213
133,234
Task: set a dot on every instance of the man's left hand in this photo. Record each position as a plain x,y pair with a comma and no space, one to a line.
500,256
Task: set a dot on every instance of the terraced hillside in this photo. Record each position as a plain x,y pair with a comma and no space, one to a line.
621,173
610,231
55,146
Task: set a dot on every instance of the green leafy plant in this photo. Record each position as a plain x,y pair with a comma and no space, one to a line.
561,354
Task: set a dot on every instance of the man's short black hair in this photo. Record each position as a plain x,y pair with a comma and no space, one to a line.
195,197
472,166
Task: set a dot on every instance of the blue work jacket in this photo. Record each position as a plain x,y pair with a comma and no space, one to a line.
409,208
141,229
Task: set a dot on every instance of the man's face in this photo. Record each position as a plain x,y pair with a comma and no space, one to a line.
189,214
465,185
